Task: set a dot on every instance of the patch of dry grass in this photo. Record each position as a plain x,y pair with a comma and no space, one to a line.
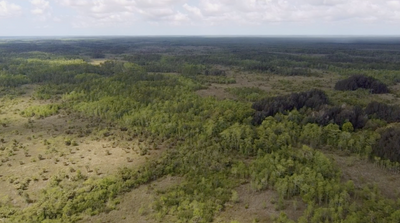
33,150
252,206
363,173
270,83
136,205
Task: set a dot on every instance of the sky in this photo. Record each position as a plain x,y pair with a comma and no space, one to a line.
199,17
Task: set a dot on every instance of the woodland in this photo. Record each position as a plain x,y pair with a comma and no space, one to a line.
199,129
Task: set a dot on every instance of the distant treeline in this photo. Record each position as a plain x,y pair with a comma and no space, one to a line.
280,56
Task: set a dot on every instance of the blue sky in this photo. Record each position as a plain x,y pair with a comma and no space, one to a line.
199,17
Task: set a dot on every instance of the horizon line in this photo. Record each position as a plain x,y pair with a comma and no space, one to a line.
187,35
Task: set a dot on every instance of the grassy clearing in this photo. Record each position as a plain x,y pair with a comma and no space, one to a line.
253,206
269,84
34,150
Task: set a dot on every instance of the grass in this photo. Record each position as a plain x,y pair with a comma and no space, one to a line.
261,85
33,151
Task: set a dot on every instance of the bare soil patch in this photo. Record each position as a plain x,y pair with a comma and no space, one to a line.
97,61
216,90
135,206
365,173
260,206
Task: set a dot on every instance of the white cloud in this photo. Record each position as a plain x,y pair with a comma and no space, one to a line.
325,2
194,11
9,9
102,13
205,13
395,4
155,3
41,9
294,11
99,13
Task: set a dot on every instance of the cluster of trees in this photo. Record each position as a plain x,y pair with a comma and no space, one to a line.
339,115
320,111
348,118
308,174
8,80
388,145
270,106
389,113
360,81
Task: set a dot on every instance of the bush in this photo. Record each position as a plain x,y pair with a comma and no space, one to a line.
41,111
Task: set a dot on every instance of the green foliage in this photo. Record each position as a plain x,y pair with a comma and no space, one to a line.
193,202
235,196
191,69
283,218
348,127
49,91
312,176
293,172
41,111
81,196
7,210
8,80
359,97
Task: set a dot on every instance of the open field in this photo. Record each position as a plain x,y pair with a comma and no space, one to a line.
34,150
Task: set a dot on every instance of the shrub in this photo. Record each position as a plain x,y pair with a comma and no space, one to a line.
41,111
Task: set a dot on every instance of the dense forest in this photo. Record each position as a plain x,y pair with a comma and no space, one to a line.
188,129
